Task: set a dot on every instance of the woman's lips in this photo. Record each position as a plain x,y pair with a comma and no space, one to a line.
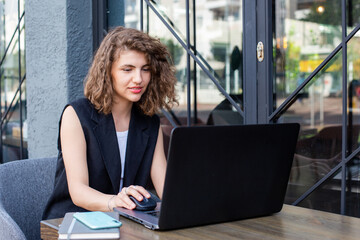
135,89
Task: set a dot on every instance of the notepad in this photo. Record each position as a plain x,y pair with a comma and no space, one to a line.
80,231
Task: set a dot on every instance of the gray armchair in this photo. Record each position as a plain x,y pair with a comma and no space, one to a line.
25,186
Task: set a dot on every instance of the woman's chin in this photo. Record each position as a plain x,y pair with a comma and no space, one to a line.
135,99
130,99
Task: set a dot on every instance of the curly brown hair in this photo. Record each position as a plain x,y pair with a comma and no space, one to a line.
160,92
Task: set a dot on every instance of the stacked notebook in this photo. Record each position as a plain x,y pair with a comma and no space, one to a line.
71,228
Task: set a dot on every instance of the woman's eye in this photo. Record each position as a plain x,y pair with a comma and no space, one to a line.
126,69
146,69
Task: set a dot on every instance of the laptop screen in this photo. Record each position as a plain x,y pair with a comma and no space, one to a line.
224,173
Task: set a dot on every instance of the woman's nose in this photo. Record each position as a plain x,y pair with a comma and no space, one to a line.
137,78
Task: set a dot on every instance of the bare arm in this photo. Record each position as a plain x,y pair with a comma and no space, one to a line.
158,167
73,146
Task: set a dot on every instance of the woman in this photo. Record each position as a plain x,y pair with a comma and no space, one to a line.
110,143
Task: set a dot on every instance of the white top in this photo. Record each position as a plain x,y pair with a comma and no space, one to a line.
122,140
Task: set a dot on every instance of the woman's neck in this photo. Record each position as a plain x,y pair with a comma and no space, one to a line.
121,114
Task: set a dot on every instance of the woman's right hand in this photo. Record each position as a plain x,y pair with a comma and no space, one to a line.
122,198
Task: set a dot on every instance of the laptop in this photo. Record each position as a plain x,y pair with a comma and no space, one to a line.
222,173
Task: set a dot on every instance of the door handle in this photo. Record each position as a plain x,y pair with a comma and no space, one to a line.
260,51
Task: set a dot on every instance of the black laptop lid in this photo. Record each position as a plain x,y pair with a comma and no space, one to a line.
224,173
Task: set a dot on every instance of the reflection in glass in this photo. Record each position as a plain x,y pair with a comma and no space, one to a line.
11,133
132,13
9,78
353,187
218,46
178,54
11,73
320,141
353,13
301,41
327,197
329,12
213,107
353,166
353,92
304,35
219,42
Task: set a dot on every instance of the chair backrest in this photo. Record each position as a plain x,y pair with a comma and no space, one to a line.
25,186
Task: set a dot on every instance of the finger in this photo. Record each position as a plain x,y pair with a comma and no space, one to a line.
123,200
134,191
125,190
128,205
143,191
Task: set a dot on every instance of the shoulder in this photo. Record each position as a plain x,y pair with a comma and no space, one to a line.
82,103
82,107
79,110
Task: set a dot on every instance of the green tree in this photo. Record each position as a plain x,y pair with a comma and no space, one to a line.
332,12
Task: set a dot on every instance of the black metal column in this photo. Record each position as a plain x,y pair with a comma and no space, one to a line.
250,62
344,111
188,67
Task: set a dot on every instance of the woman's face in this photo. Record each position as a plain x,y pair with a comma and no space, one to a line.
130,75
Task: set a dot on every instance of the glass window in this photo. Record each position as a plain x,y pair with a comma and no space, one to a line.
305,33
12,72
218,46
353,187
303,36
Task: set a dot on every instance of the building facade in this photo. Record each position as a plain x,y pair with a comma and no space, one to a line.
237,62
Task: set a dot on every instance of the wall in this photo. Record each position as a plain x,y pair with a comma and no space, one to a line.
58,54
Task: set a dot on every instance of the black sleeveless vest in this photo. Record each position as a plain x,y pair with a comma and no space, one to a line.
103,157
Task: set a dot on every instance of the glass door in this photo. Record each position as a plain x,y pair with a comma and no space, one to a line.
314,80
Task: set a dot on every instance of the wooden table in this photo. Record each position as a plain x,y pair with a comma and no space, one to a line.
291,223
